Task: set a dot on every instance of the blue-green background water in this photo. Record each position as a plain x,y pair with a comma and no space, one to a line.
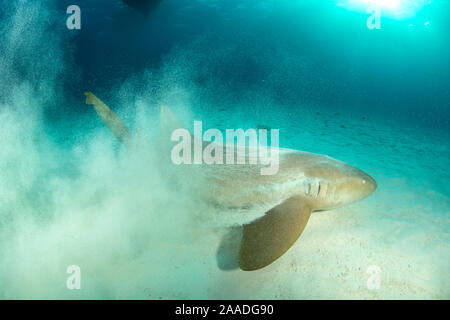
378,99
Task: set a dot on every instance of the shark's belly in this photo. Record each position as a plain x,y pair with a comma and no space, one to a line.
240,193
242,201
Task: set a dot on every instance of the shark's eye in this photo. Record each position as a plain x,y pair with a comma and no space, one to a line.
364,181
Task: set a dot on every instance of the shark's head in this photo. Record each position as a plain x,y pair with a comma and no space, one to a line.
333,183
324,183
352,186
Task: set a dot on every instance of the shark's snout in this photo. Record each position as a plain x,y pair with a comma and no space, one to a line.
370,182
366,184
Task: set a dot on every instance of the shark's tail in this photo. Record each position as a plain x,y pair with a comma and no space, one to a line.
110,118
168,123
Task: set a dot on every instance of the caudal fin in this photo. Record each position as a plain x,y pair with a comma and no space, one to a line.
110,118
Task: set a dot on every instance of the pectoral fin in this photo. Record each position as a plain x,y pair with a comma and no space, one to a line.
268,238
168,124
228,251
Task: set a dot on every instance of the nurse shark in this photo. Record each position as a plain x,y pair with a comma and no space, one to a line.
279,205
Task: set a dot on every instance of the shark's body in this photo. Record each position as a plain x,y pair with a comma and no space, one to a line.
277,206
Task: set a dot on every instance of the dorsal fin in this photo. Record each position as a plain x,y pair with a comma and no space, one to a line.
168,123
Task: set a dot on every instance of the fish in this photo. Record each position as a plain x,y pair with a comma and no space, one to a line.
143,6
277,206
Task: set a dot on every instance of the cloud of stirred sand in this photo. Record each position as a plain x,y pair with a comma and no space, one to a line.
134,229
115,213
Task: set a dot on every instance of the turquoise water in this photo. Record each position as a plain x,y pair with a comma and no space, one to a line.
70,194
